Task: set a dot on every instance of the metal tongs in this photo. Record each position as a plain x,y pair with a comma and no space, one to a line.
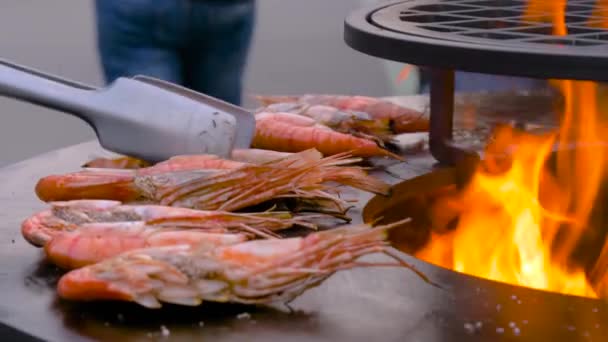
141,117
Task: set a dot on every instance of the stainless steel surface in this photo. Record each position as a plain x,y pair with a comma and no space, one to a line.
142,117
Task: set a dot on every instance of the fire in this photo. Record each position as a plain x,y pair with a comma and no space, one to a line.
510,214
524,214
551,11
599,11
404,73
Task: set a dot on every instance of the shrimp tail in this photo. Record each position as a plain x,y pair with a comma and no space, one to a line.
88,286
40,228
92,184
96,242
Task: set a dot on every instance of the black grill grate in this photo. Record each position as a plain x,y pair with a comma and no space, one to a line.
487,36
507,21
492,36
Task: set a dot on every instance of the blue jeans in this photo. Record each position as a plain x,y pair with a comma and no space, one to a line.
200,44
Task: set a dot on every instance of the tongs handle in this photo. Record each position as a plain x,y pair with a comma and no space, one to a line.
46,90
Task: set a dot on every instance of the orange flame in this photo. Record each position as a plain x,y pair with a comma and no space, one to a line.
521,217
404,73
599,11
550,11
529,206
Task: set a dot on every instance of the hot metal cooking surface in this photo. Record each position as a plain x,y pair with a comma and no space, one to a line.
382,304
492,36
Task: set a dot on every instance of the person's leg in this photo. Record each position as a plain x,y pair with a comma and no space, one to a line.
128,40
217,53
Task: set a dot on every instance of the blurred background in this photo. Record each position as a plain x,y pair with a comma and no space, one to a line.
298,48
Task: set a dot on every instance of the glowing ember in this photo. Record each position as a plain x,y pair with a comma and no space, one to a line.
523,215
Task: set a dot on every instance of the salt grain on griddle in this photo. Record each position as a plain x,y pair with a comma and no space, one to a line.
201,324
164,331
244,315
516,331
500,330
512,325
469,328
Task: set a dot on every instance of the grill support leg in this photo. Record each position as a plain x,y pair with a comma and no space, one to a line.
442,115
442,124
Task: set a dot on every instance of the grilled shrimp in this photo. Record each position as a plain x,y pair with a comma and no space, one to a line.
359,124
253,272
404,120
294,133
305,175
71,216
94,242
117,184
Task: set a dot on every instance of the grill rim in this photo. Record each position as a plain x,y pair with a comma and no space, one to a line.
363,35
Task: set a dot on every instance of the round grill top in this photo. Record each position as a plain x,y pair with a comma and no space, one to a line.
492,36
